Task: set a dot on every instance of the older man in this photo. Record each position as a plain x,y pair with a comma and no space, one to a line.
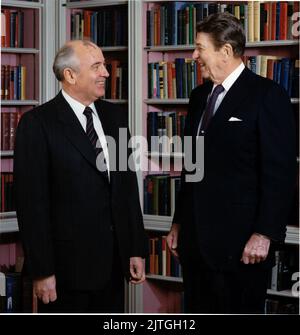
224,224
81,232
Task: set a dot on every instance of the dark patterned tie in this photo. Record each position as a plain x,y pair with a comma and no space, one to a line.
93,137
209,109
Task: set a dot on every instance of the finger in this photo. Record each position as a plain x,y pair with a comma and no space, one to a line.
174,252
245,259
52,295
252,260
45,299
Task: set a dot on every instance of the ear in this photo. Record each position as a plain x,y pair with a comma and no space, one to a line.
227,50
69,75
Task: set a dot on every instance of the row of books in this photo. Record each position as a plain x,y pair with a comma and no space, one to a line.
16,291
284,71
173,80
9,122
13,82
160,194
117,82
12,26
7,203
165,131
106,27
276,306
161,261
286,264
174,23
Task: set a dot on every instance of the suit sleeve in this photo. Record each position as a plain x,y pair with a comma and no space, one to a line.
139,239
277,163
31,183
183,196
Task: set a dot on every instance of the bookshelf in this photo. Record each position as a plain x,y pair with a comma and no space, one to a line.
90,20
145,54
26,81
21,82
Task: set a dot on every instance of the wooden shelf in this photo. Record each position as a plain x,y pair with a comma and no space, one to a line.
157,222
292,235
95,3
114,48
190,47
8,222
163,224
20,50
166,101
22,4
165,278
117,101
7,153
164,154
285,293
19,102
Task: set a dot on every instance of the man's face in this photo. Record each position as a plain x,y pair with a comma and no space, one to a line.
210,59
90,79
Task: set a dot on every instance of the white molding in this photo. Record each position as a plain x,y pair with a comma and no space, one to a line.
48,51
284,293
8,225
117,101
6,153
20,50
164,278
19,102
157,222
292,235
166,101
190,47
95,3
21,4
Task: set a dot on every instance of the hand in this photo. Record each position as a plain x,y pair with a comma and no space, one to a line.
172,239
256,249
45,289
137,270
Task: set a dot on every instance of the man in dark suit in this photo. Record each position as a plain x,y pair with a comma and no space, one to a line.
79,214
224,224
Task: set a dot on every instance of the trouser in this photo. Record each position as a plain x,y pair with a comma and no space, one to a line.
237,292
109,299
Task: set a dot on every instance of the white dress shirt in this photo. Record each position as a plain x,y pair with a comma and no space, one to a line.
78,108
227,83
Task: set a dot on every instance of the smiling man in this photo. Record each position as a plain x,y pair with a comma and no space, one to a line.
224,225
81,232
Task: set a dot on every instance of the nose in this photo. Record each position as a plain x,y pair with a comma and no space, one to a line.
104,72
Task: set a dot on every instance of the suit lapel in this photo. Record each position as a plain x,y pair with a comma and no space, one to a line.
74,131
234,98
199,106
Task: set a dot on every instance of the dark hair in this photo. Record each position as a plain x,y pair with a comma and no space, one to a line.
224,28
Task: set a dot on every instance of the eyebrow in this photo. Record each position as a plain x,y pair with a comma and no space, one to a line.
98,63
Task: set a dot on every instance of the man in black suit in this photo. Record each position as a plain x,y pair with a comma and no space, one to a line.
224,224
79,214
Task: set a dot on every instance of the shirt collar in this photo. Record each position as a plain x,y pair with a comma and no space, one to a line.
229,81
76,105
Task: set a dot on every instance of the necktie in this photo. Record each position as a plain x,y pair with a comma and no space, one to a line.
209,109
93,137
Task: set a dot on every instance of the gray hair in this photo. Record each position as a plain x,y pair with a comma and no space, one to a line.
66,58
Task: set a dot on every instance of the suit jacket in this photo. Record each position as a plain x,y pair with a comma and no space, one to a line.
69,215
249,171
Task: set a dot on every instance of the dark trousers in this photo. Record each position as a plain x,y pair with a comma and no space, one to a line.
238,292
110,299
